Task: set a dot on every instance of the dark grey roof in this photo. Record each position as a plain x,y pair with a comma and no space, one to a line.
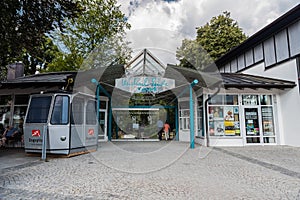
53,77
182,76
237,80
229,80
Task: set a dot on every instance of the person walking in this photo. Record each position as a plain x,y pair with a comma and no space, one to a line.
166,130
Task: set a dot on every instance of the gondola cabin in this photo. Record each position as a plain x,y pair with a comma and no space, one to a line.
69,120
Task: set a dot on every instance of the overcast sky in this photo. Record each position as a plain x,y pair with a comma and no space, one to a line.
183,16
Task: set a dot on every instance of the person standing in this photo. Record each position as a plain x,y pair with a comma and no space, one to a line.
166,130
160,126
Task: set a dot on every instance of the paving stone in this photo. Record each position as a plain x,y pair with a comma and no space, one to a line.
160,170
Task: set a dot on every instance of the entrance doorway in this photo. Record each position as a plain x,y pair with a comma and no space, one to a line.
102,133
252,125
259,126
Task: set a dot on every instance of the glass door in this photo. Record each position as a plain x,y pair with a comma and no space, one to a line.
252,125
102,136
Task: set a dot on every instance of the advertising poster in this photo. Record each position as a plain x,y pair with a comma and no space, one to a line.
219,128
228,113
229,127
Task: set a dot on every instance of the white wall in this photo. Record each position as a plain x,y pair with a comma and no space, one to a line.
288,101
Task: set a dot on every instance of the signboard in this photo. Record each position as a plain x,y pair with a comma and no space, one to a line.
35,133
145,84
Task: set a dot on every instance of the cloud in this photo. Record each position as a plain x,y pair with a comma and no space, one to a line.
185,15
162,24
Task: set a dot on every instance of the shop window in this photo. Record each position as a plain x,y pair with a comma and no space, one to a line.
250,100
224,118
224,100
265,100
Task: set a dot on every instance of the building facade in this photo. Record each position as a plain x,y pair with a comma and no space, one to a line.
254,100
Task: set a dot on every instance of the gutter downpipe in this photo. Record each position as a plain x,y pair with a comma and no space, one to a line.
206,115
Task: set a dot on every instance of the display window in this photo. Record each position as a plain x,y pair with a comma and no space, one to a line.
224,117
259,120
255,113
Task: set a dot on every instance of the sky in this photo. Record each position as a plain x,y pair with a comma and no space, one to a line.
157,20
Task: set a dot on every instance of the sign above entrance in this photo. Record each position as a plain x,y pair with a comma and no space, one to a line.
145,84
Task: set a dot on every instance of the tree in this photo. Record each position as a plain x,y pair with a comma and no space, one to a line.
24,23
95,36
213,40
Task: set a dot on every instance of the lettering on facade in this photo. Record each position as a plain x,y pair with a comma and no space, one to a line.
145,84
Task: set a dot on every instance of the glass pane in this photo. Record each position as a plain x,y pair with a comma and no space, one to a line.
4,116
231,100
252,124
60,110
186,113
269,140
267,121
102,104
184,105
19,115
250,100
216,100
5,100
200,100
77,111
21,99
253,140
181,123
91,117
265,100
231,123
216,112
219,128
39,109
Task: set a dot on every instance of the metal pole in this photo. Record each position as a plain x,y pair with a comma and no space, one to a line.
192,143
44,144
98,103
192,137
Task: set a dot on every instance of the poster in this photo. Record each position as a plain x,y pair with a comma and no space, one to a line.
228,113
229,127
219,128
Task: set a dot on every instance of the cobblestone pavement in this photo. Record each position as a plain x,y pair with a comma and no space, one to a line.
159,170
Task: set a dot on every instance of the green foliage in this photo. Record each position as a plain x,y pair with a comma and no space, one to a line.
213,40
96,37
192,55
23,25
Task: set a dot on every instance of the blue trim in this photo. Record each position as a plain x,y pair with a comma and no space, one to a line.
192,128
